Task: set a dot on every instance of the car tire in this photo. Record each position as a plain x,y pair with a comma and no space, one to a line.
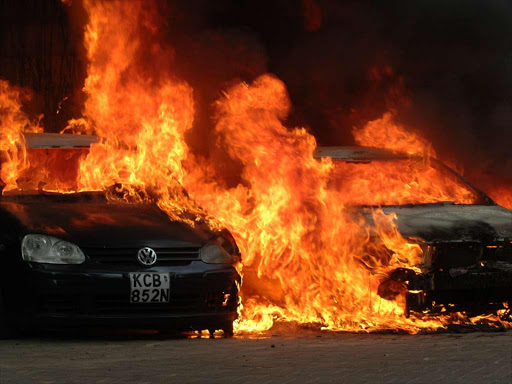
6,330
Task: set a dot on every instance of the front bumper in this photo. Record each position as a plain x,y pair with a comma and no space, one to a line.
202,297
478,288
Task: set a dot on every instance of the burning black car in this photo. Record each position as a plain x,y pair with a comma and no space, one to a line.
467,247
74,259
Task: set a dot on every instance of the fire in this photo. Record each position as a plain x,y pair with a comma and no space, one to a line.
386,133
308,255
385,183
140,113
12,142
502,195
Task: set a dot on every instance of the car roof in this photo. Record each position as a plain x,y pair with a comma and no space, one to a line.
359,154
58,140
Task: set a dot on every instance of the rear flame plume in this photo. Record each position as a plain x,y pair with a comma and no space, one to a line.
308,255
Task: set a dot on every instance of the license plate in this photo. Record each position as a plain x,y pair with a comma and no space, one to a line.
146,287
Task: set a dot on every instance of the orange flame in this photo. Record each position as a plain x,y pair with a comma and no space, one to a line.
141,114
385,133
12,142
306,255
502,195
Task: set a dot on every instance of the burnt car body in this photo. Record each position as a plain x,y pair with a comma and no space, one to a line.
467,248
115,264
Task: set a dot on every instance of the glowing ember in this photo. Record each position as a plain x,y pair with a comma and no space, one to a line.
308,255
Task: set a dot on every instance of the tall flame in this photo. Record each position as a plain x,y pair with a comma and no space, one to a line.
308,257
140,112
14,122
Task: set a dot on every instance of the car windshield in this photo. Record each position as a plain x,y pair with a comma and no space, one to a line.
400,181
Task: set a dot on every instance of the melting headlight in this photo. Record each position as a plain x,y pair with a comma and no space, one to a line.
50,250
220,251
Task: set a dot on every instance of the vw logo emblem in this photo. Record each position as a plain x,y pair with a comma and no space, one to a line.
146,256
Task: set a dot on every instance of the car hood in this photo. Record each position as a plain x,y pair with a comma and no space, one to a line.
102,224
448,222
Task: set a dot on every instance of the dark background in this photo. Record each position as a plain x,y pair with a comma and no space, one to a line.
445,67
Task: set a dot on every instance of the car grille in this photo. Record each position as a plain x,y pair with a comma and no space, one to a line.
453,255
166,256
59,304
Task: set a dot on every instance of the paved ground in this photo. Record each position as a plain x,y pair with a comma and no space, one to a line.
284,357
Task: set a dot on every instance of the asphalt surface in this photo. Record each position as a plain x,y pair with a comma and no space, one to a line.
290,356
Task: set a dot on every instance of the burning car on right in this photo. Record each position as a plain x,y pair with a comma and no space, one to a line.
465,237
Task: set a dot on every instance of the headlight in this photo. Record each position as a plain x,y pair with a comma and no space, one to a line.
50,250
220,251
